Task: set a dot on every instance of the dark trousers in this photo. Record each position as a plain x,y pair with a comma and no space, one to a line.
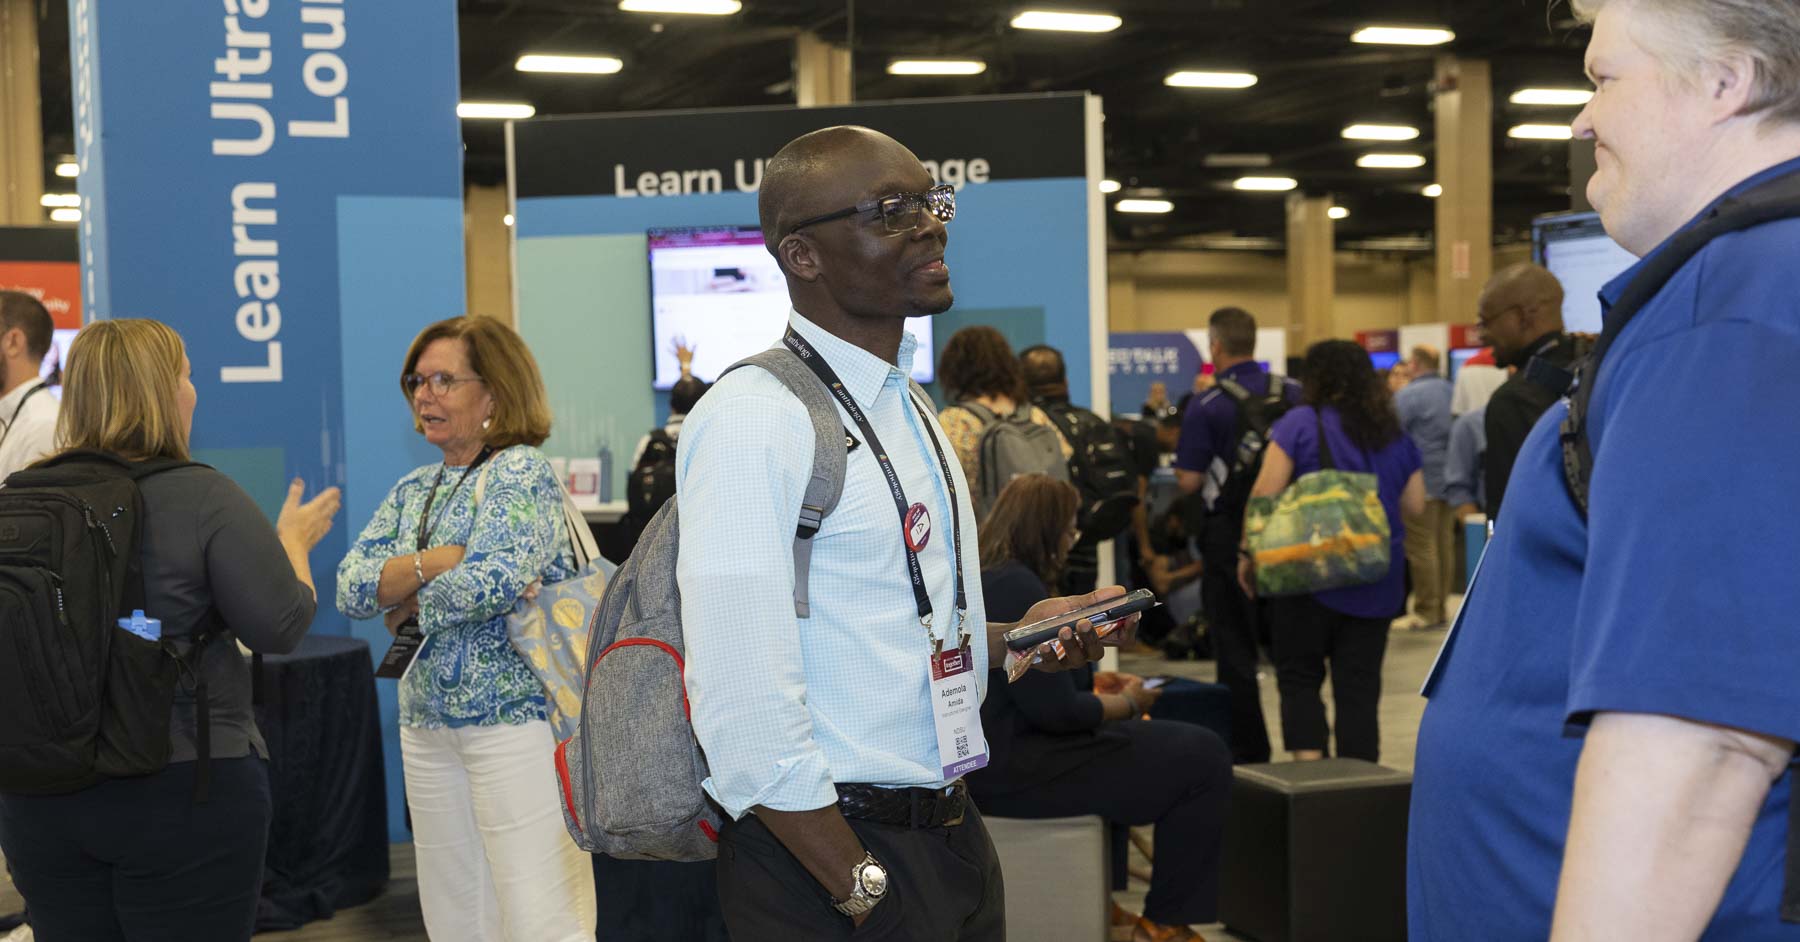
656,900
943,886
1306,636
1231,619
1174,775
136,860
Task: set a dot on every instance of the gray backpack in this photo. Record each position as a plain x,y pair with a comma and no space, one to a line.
630,776
1012,445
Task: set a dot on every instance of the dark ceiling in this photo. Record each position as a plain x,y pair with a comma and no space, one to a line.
1313,82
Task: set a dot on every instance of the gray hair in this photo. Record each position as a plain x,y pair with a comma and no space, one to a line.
1694,32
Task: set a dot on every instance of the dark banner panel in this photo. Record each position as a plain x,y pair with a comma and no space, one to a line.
960,140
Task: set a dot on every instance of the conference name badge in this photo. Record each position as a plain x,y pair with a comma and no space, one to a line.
956,711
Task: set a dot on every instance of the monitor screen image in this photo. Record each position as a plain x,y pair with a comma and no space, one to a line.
1385,359
1584,258
719,291
1460,356
52,370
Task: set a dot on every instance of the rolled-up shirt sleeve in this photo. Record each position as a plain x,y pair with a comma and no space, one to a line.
741,472
359,573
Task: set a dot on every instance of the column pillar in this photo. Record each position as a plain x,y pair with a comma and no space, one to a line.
1311,268
1465,168
487,253
821,73
21,116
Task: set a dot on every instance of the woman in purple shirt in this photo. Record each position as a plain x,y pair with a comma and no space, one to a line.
1348,626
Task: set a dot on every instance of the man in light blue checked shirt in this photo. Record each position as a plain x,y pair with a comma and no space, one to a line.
823,733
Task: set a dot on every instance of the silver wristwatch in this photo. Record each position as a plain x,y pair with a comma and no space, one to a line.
869,886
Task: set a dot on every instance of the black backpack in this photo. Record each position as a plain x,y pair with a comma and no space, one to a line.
1101,468
652,481
1256,415
81,699
1768,202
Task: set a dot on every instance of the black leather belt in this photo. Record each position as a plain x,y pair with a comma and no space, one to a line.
914,808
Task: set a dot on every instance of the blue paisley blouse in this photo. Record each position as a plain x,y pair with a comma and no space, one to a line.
467,673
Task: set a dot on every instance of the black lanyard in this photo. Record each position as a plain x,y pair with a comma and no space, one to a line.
15,416
425,514
823,370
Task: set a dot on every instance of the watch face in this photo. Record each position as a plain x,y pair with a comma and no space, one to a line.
874,880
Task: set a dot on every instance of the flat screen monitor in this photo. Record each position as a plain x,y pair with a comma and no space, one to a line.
1384,359
1460,356
717,289
52,370
1584,258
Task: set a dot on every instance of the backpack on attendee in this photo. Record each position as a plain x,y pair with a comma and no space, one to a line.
1768,202
1102,468
630,776
1010,446
652,480
82,699
1256,415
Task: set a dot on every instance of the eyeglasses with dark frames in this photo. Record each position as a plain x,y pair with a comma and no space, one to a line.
440,382
901,212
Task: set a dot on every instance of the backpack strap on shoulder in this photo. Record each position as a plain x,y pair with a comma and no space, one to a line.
826,484
1235,390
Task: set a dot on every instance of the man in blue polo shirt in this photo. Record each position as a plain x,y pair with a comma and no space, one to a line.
1211,431
1607,752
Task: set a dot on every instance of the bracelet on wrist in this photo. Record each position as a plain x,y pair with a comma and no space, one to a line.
419,568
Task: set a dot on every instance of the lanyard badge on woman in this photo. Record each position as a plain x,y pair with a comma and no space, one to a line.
408,639
955,701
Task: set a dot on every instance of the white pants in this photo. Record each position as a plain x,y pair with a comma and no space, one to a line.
495,863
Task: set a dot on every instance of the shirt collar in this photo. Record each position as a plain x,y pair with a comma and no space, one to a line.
9,403
1242,370
862,373
1609,294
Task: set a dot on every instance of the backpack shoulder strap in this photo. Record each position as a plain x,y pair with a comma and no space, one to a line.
979,411
1235,390
826,484
1768,202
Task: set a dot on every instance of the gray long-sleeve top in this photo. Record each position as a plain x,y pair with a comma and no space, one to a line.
208,547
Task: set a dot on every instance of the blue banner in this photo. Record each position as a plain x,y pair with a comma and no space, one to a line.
217,142
1136,360
281,182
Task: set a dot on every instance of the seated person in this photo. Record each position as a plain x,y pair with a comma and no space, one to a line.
1058,750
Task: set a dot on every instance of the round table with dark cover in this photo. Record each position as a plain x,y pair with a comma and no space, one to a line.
328,843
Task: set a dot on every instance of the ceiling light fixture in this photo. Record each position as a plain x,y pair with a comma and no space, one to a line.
1189,79
1433,190
936,67
1564,97
1144,206
1067,22
1109,186
691,7
494,110
1402,36
68,169
569,65
1541,132
1238,160
1381,132
1390,161
55,200
65,215
1338,212
1265,184
507,219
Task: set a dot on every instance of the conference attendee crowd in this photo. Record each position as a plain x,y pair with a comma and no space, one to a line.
1608,743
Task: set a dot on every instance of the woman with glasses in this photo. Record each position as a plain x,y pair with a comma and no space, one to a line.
1058,749
450,551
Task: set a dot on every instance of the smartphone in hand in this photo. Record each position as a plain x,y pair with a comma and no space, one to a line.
1109,612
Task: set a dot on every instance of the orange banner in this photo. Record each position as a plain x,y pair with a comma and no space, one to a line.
57,284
